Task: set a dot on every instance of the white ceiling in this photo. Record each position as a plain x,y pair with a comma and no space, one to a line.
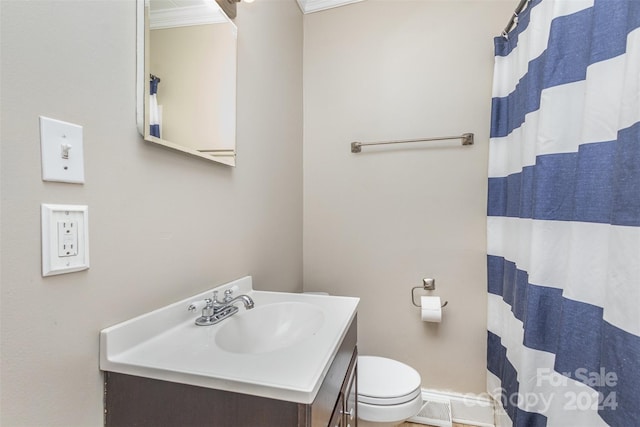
178,13
307,6
173,4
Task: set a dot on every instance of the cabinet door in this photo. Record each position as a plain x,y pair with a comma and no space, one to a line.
351,397
337,415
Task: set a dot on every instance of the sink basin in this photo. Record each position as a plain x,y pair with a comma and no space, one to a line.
281,349
270,327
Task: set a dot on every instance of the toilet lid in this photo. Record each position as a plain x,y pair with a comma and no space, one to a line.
382,379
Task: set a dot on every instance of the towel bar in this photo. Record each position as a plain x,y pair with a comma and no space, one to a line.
467,139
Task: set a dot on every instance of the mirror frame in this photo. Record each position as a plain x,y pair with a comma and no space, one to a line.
227,157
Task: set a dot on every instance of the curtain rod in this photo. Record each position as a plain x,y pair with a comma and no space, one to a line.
514,18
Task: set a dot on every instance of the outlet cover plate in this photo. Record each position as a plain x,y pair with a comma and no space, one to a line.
55,219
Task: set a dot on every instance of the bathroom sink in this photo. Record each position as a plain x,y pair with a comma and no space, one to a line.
281,349
270,327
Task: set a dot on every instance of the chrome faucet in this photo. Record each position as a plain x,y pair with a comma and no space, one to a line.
215,311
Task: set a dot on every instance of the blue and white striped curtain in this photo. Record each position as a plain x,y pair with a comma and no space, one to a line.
154,110
564,216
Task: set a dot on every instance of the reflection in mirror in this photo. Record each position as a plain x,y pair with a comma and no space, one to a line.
188,79
229,6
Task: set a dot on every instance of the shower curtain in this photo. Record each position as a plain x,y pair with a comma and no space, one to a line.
564,216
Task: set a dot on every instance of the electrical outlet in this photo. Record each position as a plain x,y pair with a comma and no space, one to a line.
65,239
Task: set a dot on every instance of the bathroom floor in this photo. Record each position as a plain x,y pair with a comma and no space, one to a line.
422,425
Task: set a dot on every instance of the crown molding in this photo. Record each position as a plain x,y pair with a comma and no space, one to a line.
185,16
310,6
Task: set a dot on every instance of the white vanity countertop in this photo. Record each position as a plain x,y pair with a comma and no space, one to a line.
165,344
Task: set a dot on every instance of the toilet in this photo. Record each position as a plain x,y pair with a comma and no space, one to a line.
389,392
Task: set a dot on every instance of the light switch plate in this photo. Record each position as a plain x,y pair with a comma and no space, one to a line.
62,151
65,239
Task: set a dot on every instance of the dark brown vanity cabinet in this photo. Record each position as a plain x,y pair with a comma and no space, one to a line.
138,401
345,414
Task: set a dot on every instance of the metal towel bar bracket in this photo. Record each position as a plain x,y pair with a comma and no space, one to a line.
428,284
467,139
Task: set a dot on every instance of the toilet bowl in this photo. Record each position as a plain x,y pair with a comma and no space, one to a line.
388,391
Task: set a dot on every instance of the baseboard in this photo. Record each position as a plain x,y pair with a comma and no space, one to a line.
469,409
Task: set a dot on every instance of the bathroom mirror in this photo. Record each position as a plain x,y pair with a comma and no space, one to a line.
186,77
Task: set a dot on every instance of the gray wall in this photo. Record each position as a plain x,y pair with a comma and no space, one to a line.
163,225
376,223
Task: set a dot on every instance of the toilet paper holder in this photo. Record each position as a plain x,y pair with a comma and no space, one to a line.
428,284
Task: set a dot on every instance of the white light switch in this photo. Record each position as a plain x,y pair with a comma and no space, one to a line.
62,151
65,239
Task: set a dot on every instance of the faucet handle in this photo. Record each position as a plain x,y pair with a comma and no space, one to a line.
227,295
199,305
